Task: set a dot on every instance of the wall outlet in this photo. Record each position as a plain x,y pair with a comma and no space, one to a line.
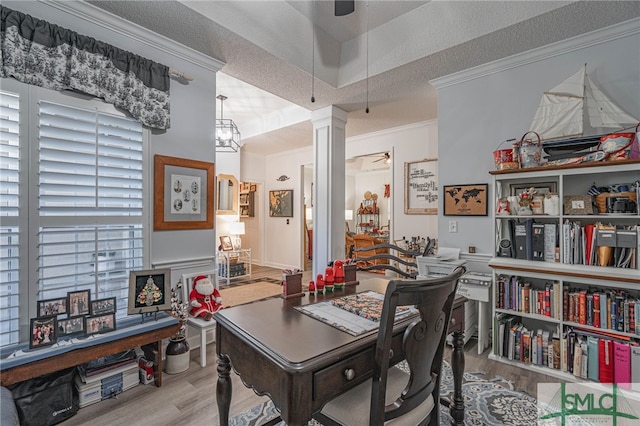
453,226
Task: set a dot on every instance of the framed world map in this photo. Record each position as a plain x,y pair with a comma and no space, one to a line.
465,200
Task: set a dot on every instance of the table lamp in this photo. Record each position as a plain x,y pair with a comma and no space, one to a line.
236,229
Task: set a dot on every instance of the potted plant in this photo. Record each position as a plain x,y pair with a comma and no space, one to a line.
177,351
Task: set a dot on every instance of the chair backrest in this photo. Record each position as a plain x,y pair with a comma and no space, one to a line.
423,342
187,282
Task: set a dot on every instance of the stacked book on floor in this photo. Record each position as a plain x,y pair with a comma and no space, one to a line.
107,377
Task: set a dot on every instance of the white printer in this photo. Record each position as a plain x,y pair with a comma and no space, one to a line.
475,286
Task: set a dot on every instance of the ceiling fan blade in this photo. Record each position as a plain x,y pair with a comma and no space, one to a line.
344,7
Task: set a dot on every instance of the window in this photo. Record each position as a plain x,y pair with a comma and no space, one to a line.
86,226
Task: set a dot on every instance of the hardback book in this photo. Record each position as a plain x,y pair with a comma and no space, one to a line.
565,304
585,359
596,310
635,367
603,310
592,348
582,307
537,241
550,242
520,230
589,310
556,346
563,353
545,349
622,364
605,360
576,365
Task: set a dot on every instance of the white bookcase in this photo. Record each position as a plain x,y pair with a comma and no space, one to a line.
567,181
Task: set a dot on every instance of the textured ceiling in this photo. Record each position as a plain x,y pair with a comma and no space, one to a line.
270,53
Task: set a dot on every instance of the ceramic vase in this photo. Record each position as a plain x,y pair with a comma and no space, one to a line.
177,355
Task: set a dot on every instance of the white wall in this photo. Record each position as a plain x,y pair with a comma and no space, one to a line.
479,108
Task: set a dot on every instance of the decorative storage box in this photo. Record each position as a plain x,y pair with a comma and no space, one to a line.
235,270
108,384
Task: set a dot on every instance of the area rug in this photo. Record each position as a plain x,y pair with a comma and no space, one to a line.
235,295
486,401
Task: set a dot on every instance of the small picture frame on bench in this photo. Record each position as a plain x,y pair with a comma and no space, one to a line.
43,332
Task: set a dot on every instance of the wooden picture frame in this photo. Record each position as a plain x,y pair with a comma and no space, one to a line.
78,303
465,200
49,307
421,187
225,243
281,203
149,291
71,326
43,332
577,205
103,306
541,188
97,324
183,194
253,187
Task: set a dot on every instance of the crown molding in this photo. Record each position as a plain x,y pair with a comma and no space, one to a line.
558,48
114,23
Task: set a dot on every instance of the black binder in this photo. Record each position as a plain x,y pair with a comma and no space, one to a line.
537,241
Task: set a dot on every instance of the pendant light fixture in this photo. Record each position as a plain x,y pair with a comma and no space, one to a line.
227,133
367,107
313,52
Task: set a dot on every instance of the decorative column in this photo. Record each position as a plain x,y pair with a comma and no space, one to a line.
328,189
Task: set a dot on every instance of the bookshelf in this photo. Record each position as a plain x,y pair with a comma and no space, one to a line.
562,277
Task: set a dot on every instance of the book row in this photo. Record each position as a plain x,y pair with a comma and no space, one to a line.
516,294
600,244
585,354
591,244
615,310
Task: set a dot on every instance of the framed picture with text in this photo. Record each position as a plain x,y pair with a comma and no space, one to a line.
421,187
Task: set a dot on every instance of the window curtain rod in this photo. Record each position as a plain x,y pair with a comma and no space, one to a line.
42,54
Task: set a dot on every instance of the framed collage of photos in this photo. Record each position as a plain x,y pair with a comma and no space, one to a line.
70,316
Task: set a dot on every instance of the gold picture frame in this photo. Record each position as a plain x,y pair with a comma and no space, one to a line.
577,204
183,194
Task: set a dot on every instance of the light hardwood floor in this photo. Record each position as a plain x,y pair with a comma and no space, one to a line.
188,398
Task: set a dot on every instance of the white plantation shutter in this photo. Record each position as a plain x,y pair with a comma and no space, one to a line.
71,202
90,202
9,212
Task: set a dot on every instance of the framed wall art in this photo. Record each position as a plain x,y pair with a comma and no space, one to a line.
465,200
43,332
149,291
421,187
71,326
52,307
183,194
78,302
281,203
541,188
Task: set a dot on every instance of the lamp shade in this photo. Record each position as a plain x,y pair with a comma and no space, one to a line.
236,228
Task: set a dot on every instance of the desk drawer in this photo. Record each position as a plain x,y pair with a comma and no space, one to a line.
332,381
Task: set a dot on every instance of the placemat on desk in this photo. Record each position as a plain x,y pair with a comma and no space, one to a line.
352,315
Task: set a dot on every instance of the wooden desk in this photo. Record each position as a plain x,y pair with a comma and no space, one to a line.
73,357
299,361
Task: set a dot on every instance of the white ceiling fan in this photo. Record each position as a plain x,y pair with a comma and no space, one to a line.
386,157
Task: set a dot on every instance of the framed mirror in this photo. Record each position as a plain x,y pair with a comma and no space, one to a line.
228,195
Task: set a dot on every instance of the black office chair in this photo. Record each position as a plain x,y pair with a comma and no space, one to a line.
394,396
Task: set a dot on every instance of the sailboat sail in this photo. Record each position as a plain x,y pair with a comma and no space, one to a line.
561,113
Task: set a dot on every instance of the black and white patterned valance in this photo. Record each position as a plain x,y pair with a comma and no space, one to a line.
37,52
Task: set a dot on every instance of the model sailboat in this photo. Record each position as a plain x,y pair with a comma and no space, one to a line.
564,109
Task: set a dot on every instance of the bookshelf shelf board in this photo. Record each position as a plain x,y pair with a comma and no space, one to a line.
605,331
531,316
538,369
575,169
578,273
